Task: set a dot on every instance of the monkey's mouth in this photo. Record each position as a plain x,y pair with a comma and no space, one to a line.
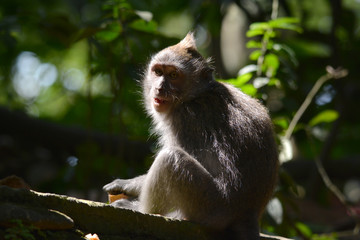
161,104
160,101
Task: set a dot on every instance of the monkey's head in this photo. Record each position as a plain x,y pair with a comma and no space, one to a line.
175,75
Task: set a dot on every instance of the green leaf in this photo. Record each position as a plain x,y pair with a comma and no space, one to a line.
326,116
290,52
281,122
269,34
259,26
283,20
305,230
286,23
249,89
240,80
271,60
290,27
311,48
110,32
255,55
271,64
274,82
145,26
255,32
330,236
253,44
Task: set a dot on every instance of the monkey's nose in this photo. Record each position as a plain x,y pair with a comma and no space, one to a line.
160,91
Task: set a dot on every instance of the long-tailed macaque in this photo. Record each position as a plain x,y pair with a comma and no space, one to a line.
217,163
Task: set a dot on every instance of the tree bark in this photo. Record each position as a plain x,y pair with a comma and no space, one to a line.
94,217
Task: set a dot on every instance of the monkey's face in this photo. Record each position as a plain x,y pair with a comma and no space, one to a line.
167,82
175,75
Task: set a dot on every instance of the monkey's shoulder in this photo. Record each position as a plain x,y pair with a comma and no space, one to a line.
226,96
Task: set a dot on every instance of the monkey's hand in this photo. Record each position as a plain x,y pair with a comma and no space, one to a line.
116,187
130,187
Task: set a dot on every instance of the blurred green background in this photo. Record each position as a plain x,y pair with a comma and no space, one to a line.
71,117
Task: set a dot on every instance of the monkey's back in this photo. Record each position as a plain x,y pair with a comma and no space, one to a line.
231,135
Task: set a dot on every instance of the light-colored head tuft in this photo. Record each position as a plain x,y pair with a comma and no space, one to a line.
189,41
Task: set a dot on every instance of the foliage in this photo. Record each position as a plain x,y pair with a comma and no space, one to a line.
266,54
22,232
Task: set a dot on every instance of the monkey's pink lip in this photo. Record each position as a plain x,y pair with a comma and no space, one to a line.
160,101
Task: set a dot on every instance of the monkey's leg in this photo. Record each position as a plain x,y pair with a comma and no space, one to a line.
178,182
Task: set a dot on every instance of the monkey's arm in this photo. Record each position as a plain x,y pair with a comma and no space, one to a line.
177,181
131,187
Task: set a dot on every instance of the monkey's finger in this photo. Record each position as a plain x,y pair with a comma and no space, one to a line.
115,187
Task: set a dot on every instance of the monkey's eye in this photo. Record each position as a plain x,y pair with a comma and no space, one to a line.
158,72
173,75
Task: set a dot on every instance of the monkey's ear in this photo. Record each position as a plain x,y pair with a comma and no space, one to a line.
189,41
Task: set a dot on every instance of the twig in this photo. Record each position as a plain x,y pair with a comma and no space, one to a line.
275,9
331,74
325,177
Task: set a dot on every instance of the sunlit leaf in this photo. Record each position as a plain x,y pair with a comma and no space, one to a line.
255,32
282,20
272,60
260,82
248,69
286,23
259,26
145,15
255,55
253,44
242,79
271,64
269,34
249,89
275,210
239,81
326,116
